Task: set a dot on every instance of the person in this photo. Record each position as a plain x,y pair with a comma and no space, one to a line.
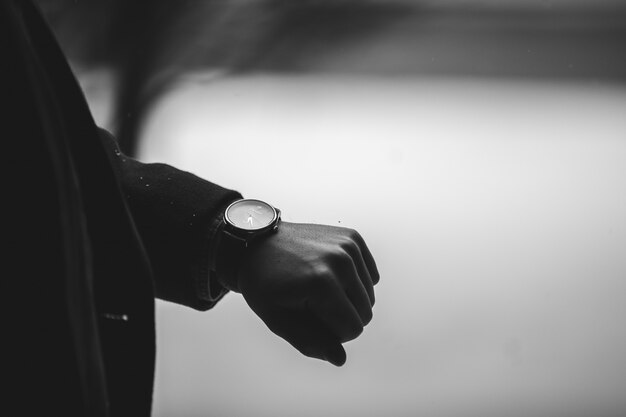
95,235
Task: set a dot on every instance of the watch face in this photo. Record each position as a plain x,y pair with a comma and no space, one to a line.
250,214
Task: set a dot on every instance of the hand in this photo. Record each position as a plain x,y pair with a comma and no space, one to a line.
312,285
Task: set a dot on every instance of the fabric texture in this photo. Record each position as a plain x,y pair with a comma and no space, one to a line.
94,237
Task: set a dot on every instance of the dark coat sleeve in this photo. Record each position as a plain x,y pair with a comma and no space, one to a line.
175,212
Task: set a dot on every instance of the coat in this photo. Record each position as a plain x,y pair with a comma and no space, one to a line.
94,237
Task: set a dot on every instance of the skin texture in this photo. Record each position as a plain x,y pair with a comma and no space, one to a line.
312,285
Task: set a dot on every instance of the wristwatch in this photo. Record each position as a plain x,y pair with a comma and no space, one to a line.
247,219
244,223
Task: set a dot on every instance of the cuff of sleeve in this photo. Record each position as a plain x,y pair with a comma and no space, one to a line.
209,287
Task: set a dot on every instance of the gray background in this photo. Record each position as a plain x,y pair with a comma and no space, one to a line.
480,149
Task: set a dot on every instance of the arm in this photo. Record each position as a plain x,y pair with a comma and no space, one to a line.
176,214
312,285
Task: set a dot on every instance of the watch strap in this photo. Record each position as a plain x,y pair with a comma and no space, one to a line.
230,251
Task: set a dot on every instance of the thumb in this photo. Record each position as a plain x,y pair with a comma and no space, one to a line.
307,334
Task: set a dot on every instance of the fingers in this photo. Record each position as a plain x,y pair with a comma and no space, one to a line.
357,286
360,301
345,268
367,257
331,305
361,270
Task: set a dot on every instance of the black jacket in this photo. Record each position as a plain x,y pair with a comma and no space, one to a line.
93,236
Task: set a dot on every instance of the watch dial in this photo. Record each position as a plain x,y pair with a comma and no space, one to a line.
250,214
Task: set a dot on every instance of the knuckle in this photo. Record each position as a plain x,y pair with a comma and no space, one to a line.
336,257
349,245
354,236
320,278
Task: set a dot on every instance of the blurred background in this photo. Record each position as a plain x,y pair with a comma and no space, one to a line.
479,146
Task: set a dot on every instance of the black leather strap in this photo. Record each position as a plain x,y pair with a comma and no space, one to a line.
229,256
